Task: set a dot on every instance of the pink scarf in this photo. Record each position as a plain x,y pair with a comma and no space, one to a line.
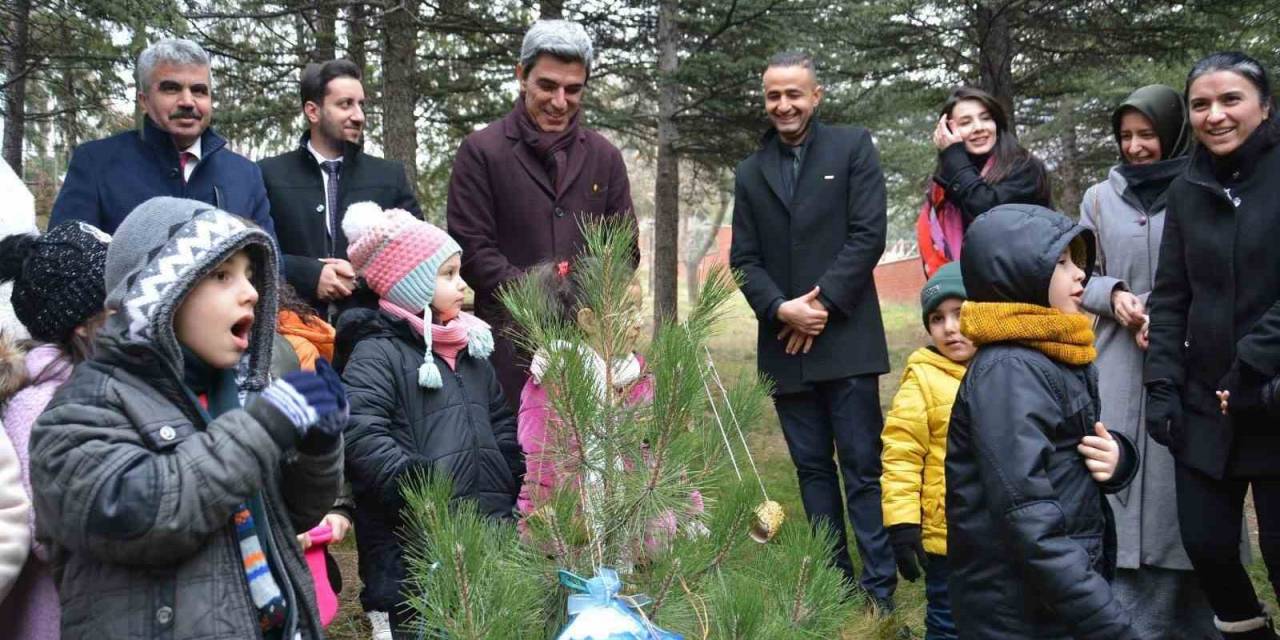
445,340
946,221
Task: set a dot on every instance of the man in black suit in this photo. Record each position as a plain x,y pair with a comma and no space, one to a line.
310,187
808,229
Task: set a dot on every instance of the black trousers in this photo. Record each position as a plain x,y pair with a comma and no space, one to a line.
841,419
1209,514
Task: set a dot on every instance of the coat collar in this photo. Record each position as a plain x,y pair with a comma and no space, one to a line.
350,150
160,140
926,356
533,165
771,159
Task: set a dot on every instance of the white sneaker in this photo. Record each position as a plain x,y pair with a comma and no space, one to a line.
381,625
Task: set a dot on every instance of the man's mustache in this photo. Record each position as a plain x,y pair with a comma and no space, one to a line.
184,113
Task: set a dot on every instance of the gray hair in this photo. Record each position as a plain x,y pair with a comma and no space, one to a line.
173,51
563,39
793,59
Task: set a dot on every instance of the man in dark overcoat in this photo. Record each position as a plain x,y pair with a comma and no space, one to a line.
808,229
522,186
311,187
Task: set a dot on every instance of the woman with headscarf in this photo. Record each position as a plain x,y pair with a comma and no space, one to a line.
1154,579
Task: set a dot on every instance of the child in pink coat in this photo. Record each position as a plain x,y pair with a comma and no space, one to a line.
626,378
58,295
536,417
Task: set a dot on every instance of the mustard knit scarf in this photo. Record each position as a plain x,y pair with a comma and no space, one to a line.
1065,337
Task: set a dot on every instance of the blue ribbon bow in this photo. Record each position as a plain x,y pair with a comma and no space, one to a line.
602,591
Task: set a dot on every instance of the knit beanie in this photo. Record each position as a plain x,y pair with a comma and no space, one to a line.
399,257
945,283
161,250
57,278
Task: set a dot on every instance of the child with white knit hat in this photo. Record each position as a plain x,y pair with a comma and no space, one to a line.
424,397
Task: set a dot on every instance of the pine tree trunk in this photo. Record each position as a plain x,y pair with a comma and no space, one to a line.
15,94
995,54
326,31
357,36
666,191
551,9
1069,172
399,99
694,283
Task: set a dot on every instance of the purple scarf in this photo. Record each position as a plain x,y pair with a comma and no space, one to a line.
552,147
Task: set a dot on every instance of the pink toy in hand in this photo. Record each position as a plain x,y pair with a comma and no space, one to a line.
326,599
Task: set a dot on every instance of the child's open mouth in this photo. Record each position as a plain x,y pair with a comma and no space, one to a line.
240,331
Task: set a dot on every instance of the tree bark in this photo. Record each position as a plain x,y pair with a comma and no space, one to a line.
357,36
399,97
326,31
693,258
995,54
666,191
15,96
551,9
1070,174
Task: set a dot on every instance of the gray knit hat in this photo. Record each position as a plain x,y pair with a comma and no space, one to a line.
161,251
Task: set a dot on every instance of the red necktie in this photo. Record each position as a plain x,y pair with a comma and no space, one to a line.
183,158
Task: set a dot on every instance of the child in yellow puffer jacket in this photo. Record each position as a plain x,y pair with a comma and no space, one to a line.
913,488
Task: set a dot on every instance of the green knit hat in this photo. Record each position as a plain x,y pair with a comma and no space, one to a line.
945,283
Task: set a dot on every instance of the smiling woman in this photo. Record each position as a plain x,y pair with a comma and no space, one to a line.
980,165
1215,327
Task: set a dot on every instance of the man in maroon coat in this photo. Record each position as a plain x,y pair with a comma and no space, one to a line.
522,186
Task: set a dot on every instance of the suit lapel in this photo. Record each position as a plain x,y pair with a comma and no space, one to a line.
771,167
577,159
533,166
806,185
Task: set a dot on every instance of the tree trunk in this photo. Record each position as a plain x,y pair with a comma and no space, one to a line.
551,9
326,31
1069,173
357,36
666,191
693,259
15,95
399,98
995,55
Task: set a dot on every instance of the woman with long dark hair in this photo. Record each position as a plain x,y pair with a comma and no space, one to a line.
1154,580
980,165
1215,335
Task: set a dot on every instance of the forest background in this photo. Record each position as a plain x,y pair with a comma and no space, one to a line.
676,82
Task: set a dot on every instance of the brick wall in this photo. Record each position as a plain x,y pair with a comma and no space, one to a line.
901,280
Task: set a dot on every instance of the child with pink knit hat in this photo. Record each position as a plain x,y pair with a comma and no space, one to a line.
424,397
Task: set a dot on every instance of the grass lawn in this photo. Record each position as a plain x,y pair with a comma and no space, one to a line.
734,351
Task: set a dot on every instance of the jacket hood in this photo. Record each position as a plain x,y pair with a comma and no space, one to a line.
1010,253
159,253
927,357
1166,110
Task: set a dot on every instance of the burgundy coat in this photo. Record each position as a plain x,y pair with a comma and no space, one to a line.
504,213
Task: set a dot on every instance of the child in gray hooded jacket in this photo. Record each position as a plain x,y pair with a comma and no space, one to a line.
170,508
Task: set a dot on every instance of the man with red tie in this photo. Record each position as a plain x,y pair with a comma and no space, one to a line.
173,153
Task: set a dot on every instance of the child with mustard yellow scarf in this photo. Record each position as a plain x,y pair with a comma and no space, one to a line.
1030,536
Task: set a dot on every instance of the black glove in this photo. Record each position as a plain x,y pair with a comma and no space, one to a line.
327,431
1246,387
1164,413
908,550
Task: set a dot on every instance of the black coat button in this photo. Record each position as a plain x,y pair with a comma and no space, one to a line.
559,212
